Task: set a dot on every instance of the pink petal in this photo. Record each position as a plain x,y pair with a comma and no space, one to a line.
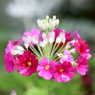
82,71
44,61
66,52
41,73
39,68
77,35
57,77
47,75
10,67
65,78
35,32
26,71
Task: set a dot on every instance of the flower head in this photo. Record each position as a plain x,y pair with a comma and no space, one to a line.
46,68
48,24
26,63
49,51
64,72
66,57
82,48
81,65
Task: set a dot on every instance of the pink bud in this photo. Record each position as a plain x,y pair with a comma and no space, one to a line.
13,92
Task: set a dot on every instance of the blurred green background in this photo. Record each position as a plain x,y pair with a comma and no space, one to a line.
17,16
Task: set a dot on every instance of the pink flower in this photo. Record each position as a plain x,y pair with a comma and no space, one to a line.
12,45
81,65
77,35
82,48
27,63
66,56
9,61
31,37
46,68
64,72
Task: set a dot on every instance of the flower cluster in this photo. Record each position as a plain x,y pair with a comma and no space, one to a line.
53,53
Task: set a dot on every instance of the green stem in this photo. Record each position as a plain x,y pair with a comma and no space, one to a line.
40,50
48,87
59,51
35,52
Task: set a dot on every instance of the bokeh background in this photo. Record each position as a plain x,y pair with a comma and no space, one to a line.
17,16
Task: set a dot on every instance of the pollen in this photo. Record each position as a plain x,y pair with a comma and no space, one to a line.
61,70
76,64
47,67
61,55
29,63
13,52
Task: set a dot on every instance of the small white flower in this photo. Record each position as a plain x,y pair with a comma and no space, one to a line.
61,38
44,35
51,37
68,46
60,55
43,43
26,45
73,62
18,50
35,40
73,50
72,42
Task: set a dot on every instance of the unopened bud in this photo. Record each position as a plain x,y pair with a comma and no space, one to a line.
48,24
13,92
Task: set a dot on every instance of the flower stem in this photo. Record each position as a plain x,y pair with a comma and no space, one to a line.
48,87
35,52
39,48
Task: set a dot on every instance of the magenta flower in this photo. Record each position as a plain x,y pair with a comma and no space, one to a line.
68,36
9,61
64,72
27,63
57,32
66,56
82,48
81,65
46,68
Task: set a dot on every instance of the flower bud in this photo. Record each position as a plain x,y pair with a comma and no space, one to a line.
13,92
48,24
